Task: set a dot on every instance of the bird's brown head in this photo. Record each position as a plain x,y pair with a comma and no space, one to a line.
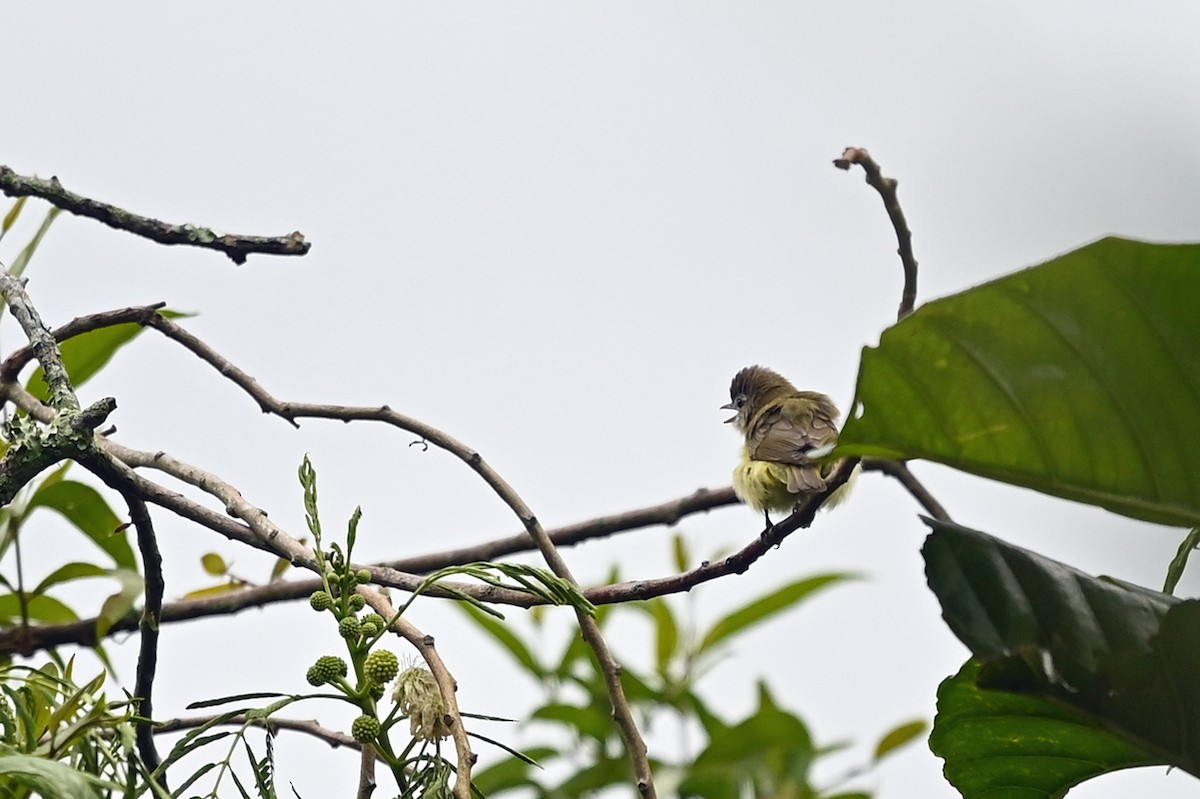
752,388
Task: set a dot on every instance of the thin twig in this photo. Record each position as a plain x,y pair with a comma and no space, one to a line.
332,737
887,191
591,632
366,773
19,358
899,470
445,681
235,246
147,664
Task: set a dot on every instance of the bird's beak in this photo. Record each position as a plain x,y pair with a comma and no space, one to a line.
729,407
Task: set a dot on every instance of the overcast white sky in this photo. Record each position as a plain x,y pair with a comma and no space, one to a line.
555,231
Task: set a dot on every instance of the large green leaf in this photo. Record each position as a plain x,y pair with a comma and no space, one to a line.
1126,658
1079,378
1004,745
86,354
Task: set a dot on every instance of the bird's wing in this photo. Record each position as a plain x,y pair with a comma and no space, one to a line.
788,432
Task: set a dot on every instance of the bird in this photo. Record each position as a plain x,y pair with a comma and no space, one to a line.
783,428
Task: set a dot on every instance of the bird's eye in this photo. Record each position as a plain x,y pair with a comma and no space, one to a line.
739,402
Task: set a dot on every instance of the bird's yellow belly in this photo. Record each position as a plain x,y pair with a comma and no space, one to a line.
763,485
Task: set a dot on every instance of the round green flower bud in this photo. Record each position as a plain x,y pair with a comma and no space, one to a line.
363,576
357,602
365,729
381,666
320,600
349,627
374,618
376,690
325,669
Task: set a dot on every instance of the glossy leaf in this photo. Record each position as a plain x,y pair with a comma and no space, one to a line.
83,507
1004,745
1125,656
1078,378
767,606
86,354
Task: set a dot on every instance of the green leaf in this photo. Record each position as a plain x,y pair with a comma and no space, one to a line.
771,742
1078,378
666,631
510,773
767,606
10,218
1179,562
502,635
231,587
50,779
83,507
40,608
214,564
117,605
589,721
86,354
68,573
679,548
1127,657
21,262
898,736
1003,745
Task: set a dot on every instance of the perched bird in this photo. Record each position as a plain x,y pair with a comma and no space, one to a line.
782,426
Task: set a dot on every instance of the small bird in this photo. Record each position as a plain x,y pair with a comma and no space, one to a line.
782,426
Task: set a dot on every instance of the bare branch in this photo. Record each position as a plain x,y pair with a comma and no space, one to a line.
899,470
591,631
332,737
887,190
235,246
14,363
446,685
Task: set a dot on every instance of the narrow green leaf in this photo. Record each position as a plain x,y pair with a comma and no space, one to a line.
510,773
502,635
683,558
10,218
40,608
898,736
68,573
1179,562
86,354
767,606
83,507
1078,378
21,262
1126,657
118,605
50,779
589,721
666,631
231,587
